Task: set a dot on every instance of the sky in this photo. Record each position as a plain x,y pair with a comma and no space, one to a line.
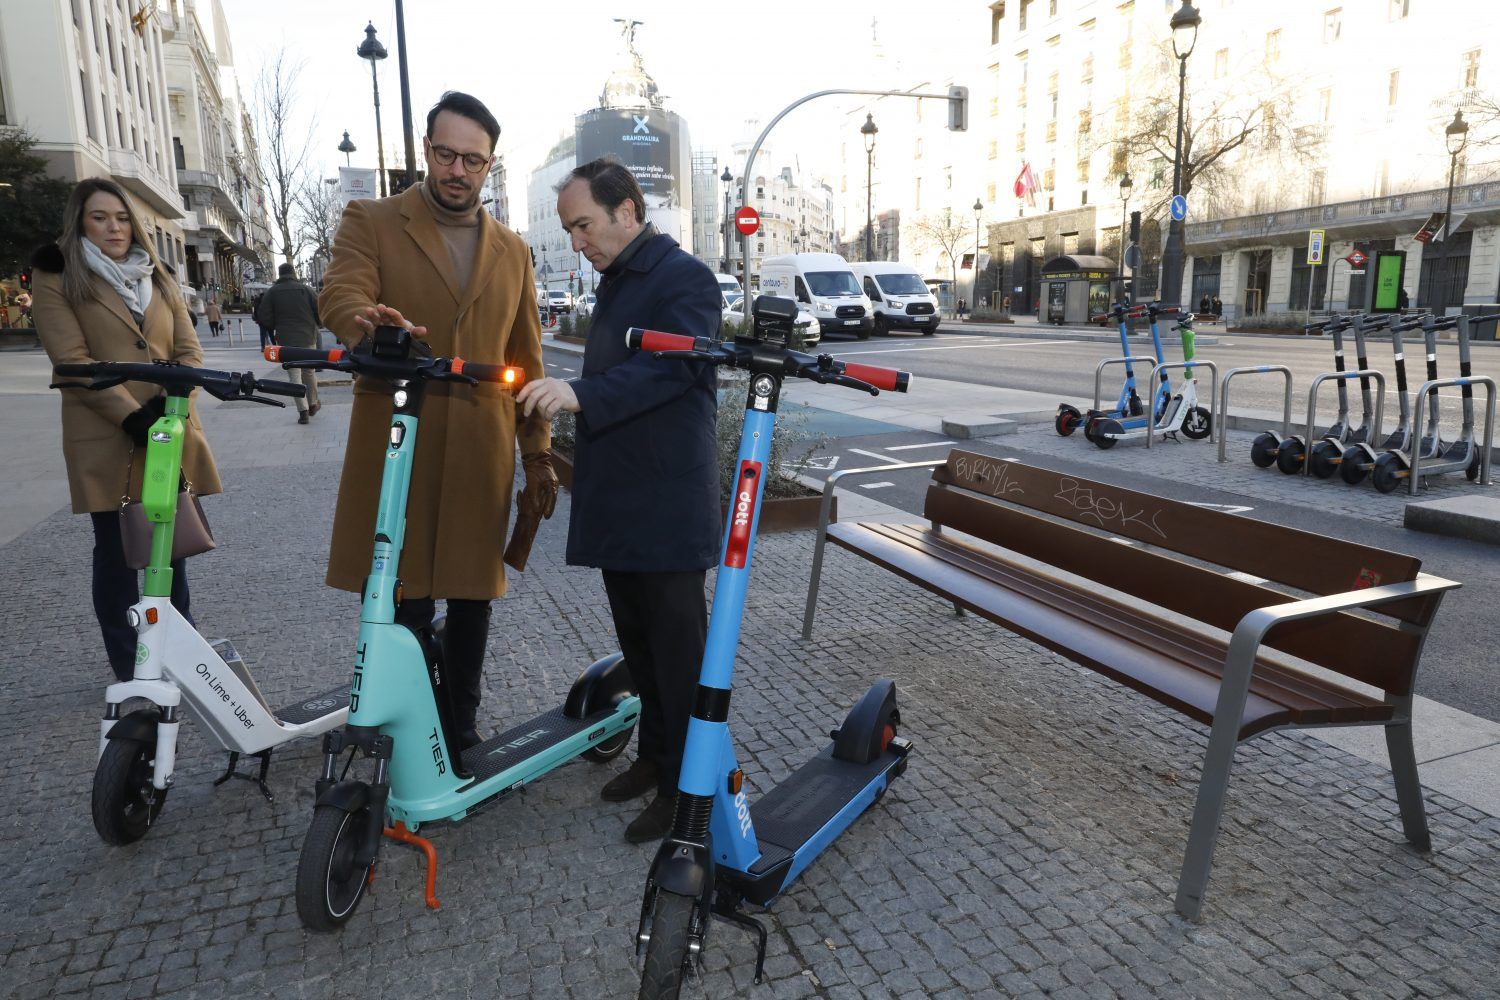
537,65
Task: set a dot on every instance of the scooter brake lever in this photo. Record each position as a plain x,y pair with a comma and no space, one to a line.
262,399
686,355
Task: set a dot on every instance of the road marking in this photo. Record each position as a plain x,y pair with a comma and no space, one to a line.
956,347
875,486
822,462
871,454
925,444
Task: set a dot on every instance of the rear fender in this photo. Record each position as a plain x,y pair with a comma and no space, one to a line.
858,739
602,684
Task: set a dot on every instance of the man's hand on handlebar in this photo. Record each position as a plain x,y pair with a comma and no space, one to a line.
368,318
547,396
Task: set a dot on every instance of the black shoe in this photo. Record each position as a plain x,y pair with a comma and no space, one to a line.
639,779
655,822
302,417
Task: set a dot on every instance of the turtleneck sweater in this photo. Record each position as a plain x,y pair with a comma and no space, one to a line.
460,233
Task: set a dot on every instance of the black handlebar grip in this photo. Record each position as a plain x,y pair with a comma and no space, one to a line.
75,370
507,375
294,389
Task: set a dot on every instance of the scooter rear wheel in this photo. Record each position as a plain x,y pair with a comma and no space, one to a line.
1324,460
124,802
1068,419
1387,473
1289,456
667,951
1353,469
607,750
1197,425
1102,429
1263,450
329,886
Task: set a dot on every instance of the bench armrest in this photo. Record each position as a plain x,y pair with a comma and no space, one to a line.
833,481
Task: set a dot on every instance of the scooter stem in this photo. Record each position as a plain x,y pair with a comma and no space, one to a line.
159,491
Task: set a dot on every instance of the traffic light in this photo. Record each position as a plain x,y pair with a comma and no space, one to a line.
1135,227
958,109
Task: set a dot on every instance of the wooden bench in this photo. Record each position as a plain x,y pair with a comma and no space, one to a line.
1073,528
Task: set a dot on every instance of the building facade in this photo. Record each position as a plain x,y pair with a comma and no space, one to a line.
496,200
796,210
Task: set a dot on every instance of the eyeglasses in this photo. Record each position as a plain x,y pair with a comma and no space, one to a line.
473,162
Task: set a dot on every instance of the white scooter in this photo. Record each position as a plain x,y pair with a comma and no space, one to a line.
173,662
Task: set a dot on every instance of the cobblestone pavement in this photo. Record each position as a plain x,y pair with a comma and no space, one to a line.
1031,849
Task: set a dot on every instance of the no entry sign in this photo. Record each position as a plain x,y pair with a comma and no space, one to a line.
747,220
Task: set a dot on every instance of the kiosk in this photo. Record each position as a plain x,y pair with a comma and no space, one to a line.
1075,289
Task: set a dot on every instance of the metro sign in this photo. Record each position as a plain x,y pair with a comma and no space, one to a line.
1356,259
747,220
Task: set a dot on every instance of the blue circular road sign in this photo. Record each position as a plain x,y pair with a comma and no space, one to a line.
1179,207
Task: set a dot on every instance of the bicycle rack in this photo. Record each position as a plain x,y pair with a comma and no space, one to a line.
1150,404
1213,387
1312,407
1286,400
1489,425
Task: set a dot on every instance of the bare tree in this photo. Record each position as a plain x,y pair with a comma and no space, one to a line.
947,233
284,147
320,208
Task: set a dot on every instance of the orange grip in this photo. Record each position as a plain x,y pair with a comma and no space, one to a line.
889,379
653,340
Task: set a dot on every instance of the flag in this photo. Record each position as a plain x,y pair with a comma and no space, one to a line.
1026,185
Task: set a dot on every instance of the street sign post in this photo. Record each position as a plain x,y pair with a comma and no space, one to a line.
747,220
1179,207
1315,246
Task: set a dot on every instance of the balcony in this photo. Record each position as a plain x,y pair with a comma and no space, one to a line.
1368,218
201,184
135,174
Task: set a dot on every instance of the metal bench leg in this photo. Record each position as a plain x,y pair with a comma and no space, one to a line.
1408,787
817,566
958,610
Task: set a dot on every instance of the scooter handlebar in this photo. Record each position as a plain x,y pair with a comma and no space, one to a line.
508,376
284,354
889,379
293,389
637,338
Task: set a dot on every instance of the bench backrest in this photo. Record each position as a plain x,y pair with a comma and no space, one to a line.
994,500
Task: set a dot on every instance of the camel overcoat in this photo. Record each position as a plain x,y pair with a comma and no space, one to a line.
389,251
96,449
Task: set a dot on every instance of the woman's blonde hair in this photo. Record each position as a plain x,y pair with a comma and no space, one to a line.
77,286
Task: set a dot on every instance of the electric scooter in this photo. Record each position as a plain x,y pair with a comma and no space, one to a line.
1265,450
173,662
1326,456
1394,467
1070,418
722,850
1359,458
399,714
1172,412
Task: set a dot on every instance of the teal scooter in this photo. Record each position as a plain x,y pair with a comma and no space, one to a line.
398,713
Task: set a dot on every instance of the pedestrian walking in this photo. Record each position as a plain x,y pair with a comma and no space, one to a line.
645,477
1402,300
289,310
432,260
963,308
101,294
267,336
214,317
1205,306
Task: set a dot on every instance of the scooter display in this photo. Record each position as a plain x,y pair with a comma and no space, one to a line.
174,664
1463,455
1265,450
399,715
1359,458
1327,455
1172,412
723,850
1070,418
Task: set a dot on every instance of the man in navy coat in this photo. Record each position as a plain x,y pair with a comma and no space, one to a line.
645,477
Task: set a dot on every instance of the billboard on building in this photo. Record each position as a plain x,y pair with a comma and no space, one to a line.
653,144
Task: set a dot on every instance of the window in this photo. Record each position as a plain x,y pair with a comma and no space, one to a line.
1383,179
1021,15
1471,69
1049,177
989,193
1087,76
88,105
1221,64
1325,105
1052,131
917,202
1317,187
1273,46
1158,173
1085,121
1399,9
1021,141
1333,25
1083,171
948,175
917,149
1051,8
1393,88
994,149
1052,83
997,12
109,30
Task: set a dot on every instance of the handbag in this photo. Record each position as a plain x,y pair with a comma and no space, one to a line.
191,535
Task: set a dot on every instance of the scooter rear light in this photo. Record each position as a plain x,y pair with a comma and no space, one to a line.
151,616
736,781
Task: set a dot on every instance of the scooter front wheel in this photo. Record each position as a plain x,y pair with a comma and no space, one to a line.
1263,450
1068,419
667,951
125,803
1324,459
1353,468
607,750
1197,425
1103,431
1387,474
330,882
1289,456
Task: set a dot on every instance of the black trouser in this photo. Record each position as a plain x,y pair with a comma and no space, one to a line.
117,587
267,337
661,622
464,639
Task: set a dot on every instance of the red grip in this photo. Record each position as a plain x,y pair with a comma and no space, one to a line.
301,354
507,375
653,340
881,378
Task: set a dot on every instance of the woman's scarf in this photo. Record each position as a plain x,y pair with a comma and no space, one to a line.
130,277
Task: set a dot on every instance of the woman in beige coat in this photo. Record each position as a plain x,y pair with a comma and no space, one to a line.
101,294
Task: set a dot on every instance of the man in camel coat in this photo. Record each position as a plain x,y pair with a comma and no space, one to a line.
432,260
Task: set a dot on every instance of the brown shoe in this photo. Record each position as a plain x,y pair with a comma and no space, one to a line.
655,822
639,779
312,411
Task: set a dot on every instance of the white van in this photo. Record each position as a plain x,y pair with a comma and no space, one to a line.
824,284
729,285
901,299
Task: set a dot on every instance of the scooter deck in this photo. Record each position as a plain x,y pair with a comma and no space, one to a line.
300,713
526,740
795,810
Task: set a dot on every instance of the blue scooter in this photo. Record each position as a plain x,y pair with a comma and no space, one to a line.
1105,430
723,851
1070,418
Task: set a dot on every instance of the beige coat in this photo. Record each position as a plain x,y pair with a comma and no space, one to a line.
95,448
389,251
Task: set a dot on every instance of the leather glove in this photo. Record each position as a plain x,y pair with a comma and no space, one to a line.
138,424
540,492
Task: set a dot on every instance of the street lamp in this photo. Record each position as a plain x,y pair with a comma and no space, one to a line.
346,147
372,50
802,245
1125,185
974,293
1184,36
868,130
1457,136
727,178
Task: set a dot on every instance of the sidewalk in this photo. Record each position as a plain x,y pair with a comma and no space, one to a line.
1031,849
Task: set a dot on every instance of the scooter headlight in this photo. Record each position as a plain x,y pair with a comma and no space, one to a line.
133,618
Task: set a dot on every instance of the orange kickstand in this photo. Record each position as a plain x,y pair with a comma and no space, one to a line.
399,832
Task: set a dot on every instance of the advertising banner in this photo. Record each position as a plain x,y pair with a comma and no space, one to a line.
653,144
356,182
